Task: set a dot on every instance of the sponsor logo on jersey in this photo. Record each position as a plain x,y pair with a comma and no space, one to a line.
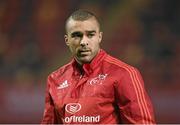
63,85
72,108
98,80
82,119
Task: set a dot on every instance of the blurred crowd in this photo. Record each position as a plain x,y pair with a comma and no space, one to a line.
143,33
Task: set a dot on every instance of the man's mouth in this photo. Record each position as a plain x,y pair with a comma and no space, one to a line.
84,52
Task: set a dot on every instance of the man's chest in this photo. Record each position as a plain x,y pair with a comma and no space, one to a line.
81,95
96,85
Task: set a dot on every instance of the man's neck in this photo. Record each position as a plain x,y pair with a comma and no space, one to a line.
80,67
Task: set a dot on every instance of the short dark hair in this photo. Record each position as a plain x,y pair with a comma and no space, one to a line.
81,15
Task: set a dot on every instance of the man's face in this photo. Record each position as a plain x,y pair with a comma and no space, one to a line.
83,39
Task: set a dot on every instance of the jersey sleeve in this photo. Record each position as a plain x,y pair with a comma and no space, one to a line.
132,100
50,114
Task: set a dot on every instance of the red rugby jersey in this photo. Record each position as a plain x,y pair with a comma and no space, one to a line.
109,91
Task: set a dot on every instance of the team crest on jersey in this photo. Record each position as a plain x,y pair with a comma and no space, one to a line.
98,80
72,108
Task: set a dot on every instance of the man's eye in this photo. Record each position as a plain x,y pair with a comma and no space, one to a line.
90,35
76,35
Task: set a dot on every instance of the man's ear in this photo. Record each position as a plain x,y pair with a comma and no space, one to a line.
100,36
66,40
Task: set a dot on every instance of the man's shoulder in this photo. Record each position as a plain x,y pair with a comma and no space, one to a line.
61,70
119,68
117,63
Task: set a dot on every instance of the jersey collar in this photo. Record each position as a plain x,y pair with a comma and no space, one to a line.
90,67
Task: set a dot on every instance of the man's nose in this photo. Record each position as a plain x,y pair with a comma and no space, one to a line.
84,41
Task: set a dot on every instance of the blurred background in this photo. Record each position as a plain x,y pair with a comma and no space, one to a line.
142,33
